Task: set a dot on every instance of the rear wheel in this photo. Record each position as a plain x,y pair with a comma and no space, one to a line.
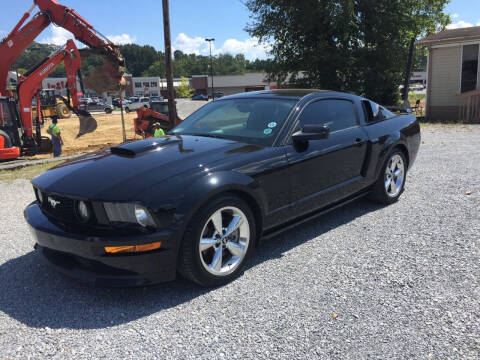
63,112
108,110
127,110
391,181
217,242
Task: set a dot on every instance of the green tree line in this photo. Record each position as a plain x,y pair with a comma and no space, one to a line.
146,61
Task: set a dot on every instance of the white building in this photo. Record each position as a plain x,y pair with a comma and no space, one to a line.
151,86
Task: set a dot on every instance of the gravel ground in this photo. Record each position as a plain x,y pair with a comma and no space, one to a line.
362,282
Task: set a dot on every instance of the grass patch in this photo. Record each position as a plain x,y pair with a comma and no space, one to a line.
26,172
414,97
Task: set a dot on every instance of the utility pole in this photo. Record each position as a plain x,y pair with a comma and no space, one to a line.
408,72
211,64
168,62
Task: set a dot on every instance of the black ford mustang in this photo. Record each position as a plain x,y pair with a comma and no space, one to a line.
198,200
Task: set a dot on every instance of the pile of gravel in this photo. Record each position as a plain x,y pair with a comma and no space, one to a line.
364,281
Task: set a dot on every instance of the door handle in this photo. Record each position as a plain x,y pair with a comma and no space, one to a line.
358,141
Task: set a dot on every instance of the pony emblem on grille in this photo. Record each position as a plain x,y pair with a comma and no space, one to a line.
53,202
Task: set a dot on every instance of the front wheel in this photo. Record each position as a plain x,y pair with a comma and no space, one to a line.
217,242
391,181
127,110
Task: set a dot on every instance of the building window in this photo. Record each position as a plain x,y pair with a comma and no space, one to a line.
138,84
153,84
146,84
469,68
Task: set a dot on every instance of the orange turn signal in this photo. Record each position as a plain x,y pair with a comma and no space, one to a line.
133,248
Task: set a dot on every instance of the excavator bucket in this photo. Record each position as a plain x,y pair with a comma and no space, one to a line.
104,72
87,123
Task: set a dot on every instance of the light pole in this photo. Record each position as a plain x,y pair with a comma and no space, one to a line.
211,64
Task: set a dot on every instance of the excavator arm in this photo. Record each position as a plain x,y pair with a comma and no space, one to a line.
52,12
30,83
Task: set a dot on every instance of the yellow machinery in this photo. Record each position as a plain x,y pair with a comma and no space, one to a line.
52,105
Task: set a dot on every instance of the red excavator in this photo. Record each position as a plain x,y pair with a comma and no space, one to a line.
147,117
29,86
16,123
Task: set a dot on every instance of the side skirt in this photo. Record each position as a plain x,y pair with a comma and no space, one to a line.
293,223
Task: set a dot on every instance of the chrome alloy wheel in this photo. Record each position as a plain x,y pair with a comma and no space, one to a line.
224,241
394,175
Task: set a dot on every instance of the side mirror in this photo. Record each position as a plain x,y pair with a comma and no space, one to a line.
312,132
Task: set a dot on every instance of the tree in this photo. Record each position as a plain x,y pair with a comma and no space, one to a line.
347,45
184,90
138,58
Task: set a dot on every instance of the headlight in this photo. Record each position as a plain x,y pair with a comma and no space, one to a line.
129,213
143,216
83,211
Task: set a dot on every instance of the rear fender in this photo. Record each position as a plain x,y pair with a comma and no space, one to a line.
393,140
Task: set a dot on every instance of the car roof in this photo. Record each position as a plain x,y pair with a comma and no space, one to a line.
283,93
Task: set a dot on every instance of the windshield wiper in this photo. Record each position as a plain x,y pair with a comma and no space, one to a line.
207,135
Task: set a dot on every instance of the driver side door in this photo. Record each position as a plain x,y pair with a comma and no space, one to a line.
327,170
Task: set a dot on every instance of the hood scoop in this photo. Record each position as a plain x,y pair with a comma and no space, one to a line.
134,148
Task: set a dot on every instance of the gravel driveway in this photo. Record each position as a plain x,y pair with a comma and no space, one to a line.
364,281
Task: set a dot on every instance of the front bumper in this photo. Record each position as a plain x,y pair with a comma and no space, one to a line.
83,257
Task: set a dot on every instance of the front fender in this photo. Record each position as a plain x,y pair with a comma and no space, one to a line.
212,184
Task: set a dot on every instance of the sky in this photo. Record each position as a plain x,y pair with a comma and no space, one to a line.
191,21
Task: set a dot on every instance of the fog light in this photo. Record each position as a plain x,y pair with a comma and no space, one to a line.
133,248
83,211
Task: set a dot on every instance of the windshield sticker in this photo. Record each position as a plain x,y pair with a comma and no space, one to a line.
272,124
267,131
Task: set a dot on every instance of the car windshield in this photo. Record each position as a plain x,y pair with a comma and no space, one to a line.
255,121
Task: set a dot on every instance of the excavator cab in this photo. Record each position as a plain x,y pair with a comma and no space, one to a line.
9,136
48,98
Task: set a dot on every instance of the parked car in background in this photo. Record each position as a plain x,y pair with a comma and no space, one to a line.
199,199
199,97
217,95
156,98
116,102
136,103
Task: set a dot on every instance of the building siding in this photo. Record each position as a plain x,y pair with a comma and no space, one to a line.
445,76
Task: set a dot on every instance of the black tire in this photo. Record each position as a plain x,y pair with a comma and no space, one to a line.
190,264
127,110
379,192
63,112
7,143
108,110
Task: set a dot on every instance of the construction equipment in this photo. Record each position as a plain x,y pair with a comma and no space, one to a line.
29,86
52,12
157,113
52,105
106,77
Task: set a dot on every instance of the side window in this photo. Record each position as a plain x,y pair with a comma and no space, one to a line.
376,112
336,114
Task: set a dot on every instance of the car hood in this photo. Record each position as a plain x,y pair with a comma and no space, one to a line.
122,172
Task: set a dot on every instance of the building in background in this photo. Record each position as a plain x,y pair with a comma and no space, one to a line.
156,86
453,91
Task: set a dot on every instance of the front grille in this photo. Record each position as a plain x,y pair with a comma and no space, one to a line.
59,207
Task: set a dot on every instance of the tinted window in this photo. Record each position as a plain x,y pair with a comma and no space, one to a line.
256,121
336,114
378,112
469,68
